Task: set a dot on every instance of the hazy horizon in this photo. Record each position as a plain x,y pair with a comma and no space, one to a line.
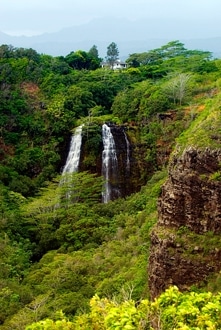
198,18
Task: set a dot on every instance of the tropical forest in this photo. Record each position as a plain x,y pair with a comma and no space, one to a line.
110,181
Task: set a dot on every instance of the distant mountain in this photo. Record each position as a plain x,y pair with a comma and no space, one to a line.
130,37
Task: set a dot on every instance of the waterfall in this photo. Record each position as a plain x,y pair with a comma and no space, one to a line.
72,162
109,164
128,153
73,159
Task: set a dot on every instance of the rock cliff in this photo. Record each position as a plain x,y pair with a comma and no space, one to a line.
185,242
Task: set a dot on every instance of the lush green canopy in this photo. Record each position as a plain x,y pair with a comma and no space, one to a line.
58,253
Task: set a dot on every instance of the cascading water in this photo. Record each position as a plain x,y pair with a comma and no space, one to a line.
109,164
73,159
115,162
72,162
128,153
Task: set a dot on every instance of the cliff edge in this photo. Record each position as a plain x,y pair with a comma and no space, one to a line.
185,243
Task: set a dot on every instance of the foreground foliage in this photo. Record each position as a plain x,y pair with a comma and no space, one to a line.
172,310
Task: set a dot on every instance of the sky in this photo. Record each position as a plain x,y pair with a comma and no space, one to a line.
33,17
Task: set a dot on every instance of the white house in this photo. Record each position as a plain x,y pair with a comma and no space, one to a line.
118,64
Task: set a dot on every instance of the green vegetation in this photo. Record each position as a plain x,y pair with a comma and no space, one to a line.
204,132
112,54
60,247
172,310
193,246
99,249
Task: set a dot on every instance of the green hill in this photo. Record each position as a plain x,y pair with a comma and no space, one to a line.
56,255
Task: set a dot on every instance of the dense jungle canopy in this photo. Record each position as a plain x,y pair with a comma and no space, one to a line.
58,256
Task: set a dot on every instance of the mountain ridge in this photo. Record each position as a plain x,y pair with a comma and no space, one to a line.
130,36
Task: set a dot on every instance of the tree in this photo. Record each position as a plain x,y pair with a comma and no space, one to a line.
112,54
81,60
177,88
82,187
94,52
172,49
78,101
147,58
78,60
95,60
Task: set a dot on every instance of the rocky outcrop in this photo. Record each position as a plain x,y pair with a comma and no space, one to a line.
192,195
189,208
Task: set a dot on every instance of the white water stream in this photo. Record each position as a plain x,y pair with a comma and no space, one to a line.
128,152
109,161
72,162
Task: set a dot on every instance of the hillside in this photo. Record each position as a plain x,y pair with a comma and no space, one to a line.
59,252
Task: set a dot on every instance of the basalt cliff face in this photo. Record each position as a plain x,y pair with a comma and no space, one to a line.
183,250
